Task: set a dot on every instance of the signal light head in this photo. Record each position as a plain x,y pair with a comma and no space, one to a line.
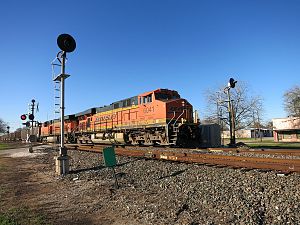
231,83
31,116
66,42
23,117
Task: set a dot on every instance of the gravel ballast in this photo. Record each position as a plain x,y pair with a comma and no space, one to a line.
161,192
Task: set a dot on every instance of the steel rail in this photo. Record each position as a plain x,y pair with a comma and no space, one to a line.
282,165
293,152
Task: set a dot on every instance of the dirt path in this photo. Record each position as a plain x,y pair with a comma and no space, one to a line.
29,183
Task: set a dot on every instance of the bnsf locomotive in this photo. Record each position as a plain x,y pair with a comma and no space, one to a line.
159,117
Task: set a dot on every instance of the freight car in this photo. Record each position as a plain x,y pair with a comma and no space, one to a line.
159,117
21,134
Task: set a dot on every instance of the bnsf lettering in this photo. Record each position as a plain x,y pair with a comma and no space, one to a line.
106,117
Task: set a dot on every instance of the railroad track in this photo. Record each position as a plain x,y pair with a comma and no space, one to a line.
292,152
232,161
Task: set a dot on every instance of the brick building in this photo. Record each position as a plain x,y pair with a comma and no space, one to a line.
250,133
286,129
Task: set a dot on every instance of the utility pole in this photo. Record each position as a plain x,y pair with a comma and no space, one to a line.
67,44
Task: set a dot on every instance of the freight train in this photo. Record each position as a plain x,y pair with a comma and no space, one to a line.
158,117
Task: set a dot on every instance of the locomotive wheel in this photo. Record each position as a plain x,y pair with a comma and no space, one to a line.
163,139
147,138
134,142
148,142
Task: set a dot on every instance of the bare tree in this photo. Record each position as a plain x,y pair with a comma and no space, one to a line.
3,126
246,107
292,101
269,125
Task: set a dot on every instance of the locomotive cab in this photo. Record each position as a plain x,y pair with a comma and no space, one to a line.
172,117
164,106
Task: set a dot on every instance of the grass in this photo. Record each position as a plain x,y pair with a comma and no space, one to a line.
20,216
3,146
267,143
11,145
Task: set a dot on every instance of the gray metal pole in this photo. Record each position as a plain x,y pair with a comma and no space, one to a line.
233,124
230,117
62,106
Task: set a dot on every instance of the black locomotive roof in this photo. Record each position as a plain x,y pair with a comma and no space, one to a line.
88,111
104,108
119,104
68,117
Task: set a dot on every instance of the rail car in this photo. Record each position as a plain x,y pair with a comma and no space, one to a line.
159,117
50,130
22,134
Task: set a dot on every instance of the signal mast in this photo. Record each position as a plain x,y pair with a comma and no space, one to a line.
231,84
67,44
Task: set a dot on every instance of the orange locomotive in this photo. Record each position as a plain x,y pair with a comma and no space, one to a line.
50,130
158,117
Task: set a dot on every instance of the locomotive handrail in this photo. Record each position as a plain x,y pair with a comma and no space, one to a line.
167,130
172,118
179,117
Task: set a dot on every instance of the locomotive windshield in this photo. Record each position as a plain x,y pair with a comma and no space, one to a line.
166,96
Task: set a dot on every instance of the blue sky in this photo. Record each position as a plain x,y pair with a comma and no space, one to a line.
126,47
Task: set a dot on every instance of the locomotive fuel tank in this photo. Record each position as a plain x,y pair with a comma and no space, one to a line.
108,138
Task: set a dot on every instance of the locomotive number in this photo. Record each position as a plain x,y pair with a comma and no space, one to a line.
149,110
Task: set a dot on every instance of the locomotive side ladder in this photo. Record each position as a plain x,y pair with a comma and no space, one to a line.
173,136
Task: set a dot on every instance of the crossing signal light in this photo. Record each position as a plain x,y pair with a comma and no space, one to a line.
23,117
31,116
232,83
27,124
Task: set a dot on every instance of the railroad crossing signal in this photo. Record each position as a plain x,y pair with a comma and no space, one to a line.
23,117
31,116
27,124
